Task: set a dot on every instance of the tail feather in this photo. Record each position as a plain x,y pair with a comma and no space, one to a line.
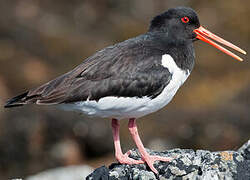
53,92
21,100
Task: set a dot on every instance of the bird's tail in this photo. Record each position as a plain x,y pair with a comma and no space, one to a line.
21,99
52,92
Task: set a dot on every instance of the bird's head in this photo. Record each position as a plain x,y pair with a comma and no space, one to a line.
182,25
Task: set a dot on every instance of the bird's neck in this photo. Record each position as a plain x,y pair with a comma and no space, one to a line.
184,56
182,51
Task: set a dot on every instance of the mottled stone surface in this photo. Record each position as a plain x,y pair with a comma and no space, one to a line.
75,172
187,164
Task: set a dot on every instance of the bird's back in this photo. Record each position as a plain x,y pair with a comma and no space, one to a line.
128,69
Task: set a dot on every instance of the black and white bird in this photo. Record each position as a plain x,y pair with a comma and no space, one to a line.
131,79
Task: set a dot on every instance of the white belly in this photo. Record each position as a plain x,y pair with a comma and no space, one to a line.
133,107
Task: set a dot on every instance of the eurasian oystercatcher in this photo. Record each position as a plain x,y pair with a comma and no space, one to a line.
131,79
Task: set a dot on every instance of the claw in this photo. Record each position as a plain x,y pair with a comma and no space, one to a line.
151,159
124,159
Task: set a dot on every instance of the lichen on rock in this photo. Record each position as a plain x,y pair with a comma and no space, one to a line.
187,164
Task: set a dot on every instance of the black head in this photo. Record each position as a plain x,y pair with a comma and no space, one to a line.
177,23
181,25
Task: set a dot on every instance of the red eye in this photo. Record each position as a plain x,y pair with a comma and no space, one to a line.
185,19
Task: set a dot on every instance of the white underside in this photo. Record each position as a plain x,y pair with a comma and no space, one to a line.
133,107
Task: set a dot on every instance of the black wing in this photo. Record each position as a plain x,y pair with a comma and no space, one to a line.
128,69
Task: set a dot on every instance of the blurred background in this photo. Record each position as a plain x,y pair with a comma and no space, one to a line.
41,39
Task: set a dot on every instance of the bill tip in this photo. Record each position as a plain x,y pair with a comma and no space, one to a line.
240,59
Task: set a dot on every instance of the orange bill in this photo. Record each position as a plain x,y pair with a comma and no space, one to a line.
206,36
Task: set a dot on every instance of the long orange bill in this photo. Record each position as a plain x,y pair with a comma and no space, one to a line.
204,35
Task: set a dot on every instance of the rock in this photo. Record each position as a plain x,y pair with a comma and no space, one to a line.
187,164
63,173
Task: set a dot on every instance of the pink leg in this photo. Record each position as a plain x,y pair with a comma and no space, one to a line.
122,158
145,156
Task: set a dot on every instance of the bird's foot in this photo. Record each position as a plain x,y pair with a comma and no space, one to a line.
125,159
151,159
146,159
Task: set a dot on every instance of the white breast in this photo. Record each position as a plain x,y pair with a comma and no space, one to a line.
133,107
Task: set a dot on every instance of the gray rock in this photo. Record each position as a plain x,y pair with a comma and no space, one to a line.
187,164
63,173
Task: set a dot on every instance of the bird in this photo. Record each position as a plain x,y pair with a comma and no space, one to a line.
132,78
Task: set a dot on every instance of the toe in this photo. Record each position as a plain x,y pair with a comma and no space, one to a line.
160,158
124,159
128,152
151,159
151,166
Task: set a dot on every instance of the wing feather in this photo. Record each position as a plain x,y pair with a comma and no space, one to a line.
126,69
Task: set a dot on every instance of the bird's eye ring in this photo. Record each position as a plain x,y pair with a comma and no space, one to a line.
185,19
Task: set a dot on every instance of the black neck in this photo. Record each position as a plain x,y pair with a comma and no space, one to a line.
182,51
